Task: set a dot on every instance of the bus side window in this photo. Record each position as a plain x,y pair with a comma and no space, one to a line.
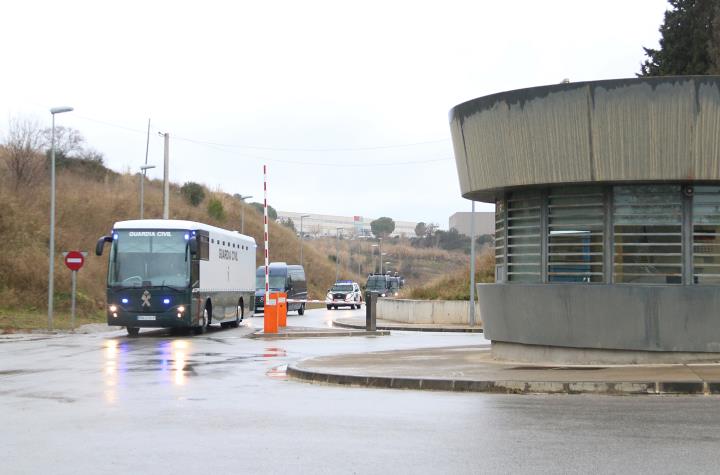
203,248
195,273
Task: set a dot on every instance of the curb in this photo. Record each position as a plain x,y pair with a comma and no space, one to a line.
400,327
275,336
509,387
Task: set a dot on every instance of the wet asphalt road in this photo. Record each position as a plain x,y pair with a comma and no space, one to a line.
219,403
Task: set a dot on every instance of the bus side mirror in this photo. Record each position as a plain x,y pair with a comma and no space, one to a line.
101,244
193,244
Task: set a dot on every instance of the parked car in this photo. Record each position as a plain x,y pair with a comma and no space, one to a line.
283,278
344,293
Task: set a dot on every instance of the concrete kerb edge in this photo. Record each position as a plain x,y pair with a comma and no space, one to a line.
280,336
401,327
508,387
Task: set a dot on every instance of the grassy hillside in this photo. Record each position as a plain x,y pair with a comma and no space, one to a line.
419,266
86,207
91,199
456,284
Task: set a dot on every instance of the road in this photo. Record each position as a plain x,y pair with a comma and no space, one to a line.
219,403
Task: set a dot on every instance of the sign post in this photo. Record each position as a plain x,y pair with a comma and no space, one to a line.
74,260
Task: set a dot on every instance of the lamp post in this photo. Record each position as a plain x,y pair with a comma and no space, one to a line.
242,212
166,174
53,111
143,170
337,253
302,236
472,265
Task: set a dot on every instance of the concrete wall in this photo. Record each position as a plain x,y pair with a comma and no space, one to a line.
661,129
454,312
621,317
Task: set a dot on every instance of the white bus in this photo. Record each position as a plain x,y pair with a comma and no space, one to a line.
177,274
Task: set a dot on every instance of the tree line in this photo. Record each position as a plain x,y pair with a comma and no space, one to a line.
689,41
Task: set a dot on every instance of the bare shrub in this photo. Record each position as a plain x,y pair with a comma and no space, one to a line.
22,151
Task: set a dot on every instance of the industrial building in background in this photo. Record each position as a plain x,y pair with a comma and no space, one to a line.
484,222
607,239
317,225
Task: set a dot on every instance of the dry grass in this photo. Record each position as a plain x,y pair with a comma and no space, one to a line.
456,285
418,265
86,209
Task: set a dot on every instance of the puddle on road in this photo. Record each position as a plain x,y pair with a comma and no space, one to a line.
278,372
273,352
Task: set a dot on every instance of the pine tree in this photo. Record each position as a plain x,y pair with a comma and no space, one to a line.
689,42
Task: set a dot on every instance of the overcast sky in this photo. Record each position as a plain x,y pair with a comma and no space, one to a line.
346,102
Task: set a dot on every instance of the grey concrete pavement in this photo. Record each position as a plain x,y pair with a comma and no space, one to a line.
471,368
221,403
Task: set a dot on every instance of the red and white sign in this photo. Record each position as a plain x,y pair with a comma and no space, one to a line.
74,260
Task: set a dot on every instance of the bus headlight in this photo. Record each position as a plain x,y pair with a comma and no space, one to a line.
112,308
180,311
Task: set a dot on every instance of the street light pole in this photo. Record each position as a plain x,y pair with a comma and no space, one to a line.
166,176
381,254
242,212
143,170
51,283
337,253
472,265
302,236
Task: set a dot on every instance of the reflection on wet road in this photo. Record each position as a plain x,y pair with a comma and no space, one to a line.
220,402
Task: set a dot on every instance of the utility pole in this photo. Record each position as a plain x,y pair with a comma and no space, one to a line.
143,170
302,236
166,174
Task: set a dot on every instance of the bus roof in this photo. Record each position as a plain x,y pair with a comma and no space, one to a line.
179,224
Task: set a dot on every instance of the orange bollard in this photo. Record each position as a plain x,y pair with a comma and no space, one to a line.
282,309
270,317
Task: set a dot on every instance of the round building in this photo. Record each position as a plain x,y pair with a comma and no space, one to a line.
607,199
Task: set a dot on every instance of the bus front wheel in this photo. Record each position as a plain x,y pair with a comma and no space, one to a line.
203,323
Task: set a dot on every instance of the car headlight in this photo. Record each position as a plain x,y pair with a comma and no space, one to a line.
348,297
329,296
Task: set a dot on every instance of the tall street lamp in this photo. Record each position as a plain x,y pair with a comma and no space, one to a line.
242,212
53,111
380,253
143,170
337,253
302,236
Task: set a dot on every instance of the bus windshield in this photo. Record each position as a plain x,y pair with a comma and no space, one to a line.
376,283
342,288
148,258
277,282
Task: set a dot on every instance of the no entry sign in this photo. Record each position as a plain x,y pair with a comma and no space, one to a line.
74,260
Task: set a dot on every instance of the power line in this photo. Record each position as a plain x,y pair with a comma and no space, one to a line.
271,149
281,149
225,149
